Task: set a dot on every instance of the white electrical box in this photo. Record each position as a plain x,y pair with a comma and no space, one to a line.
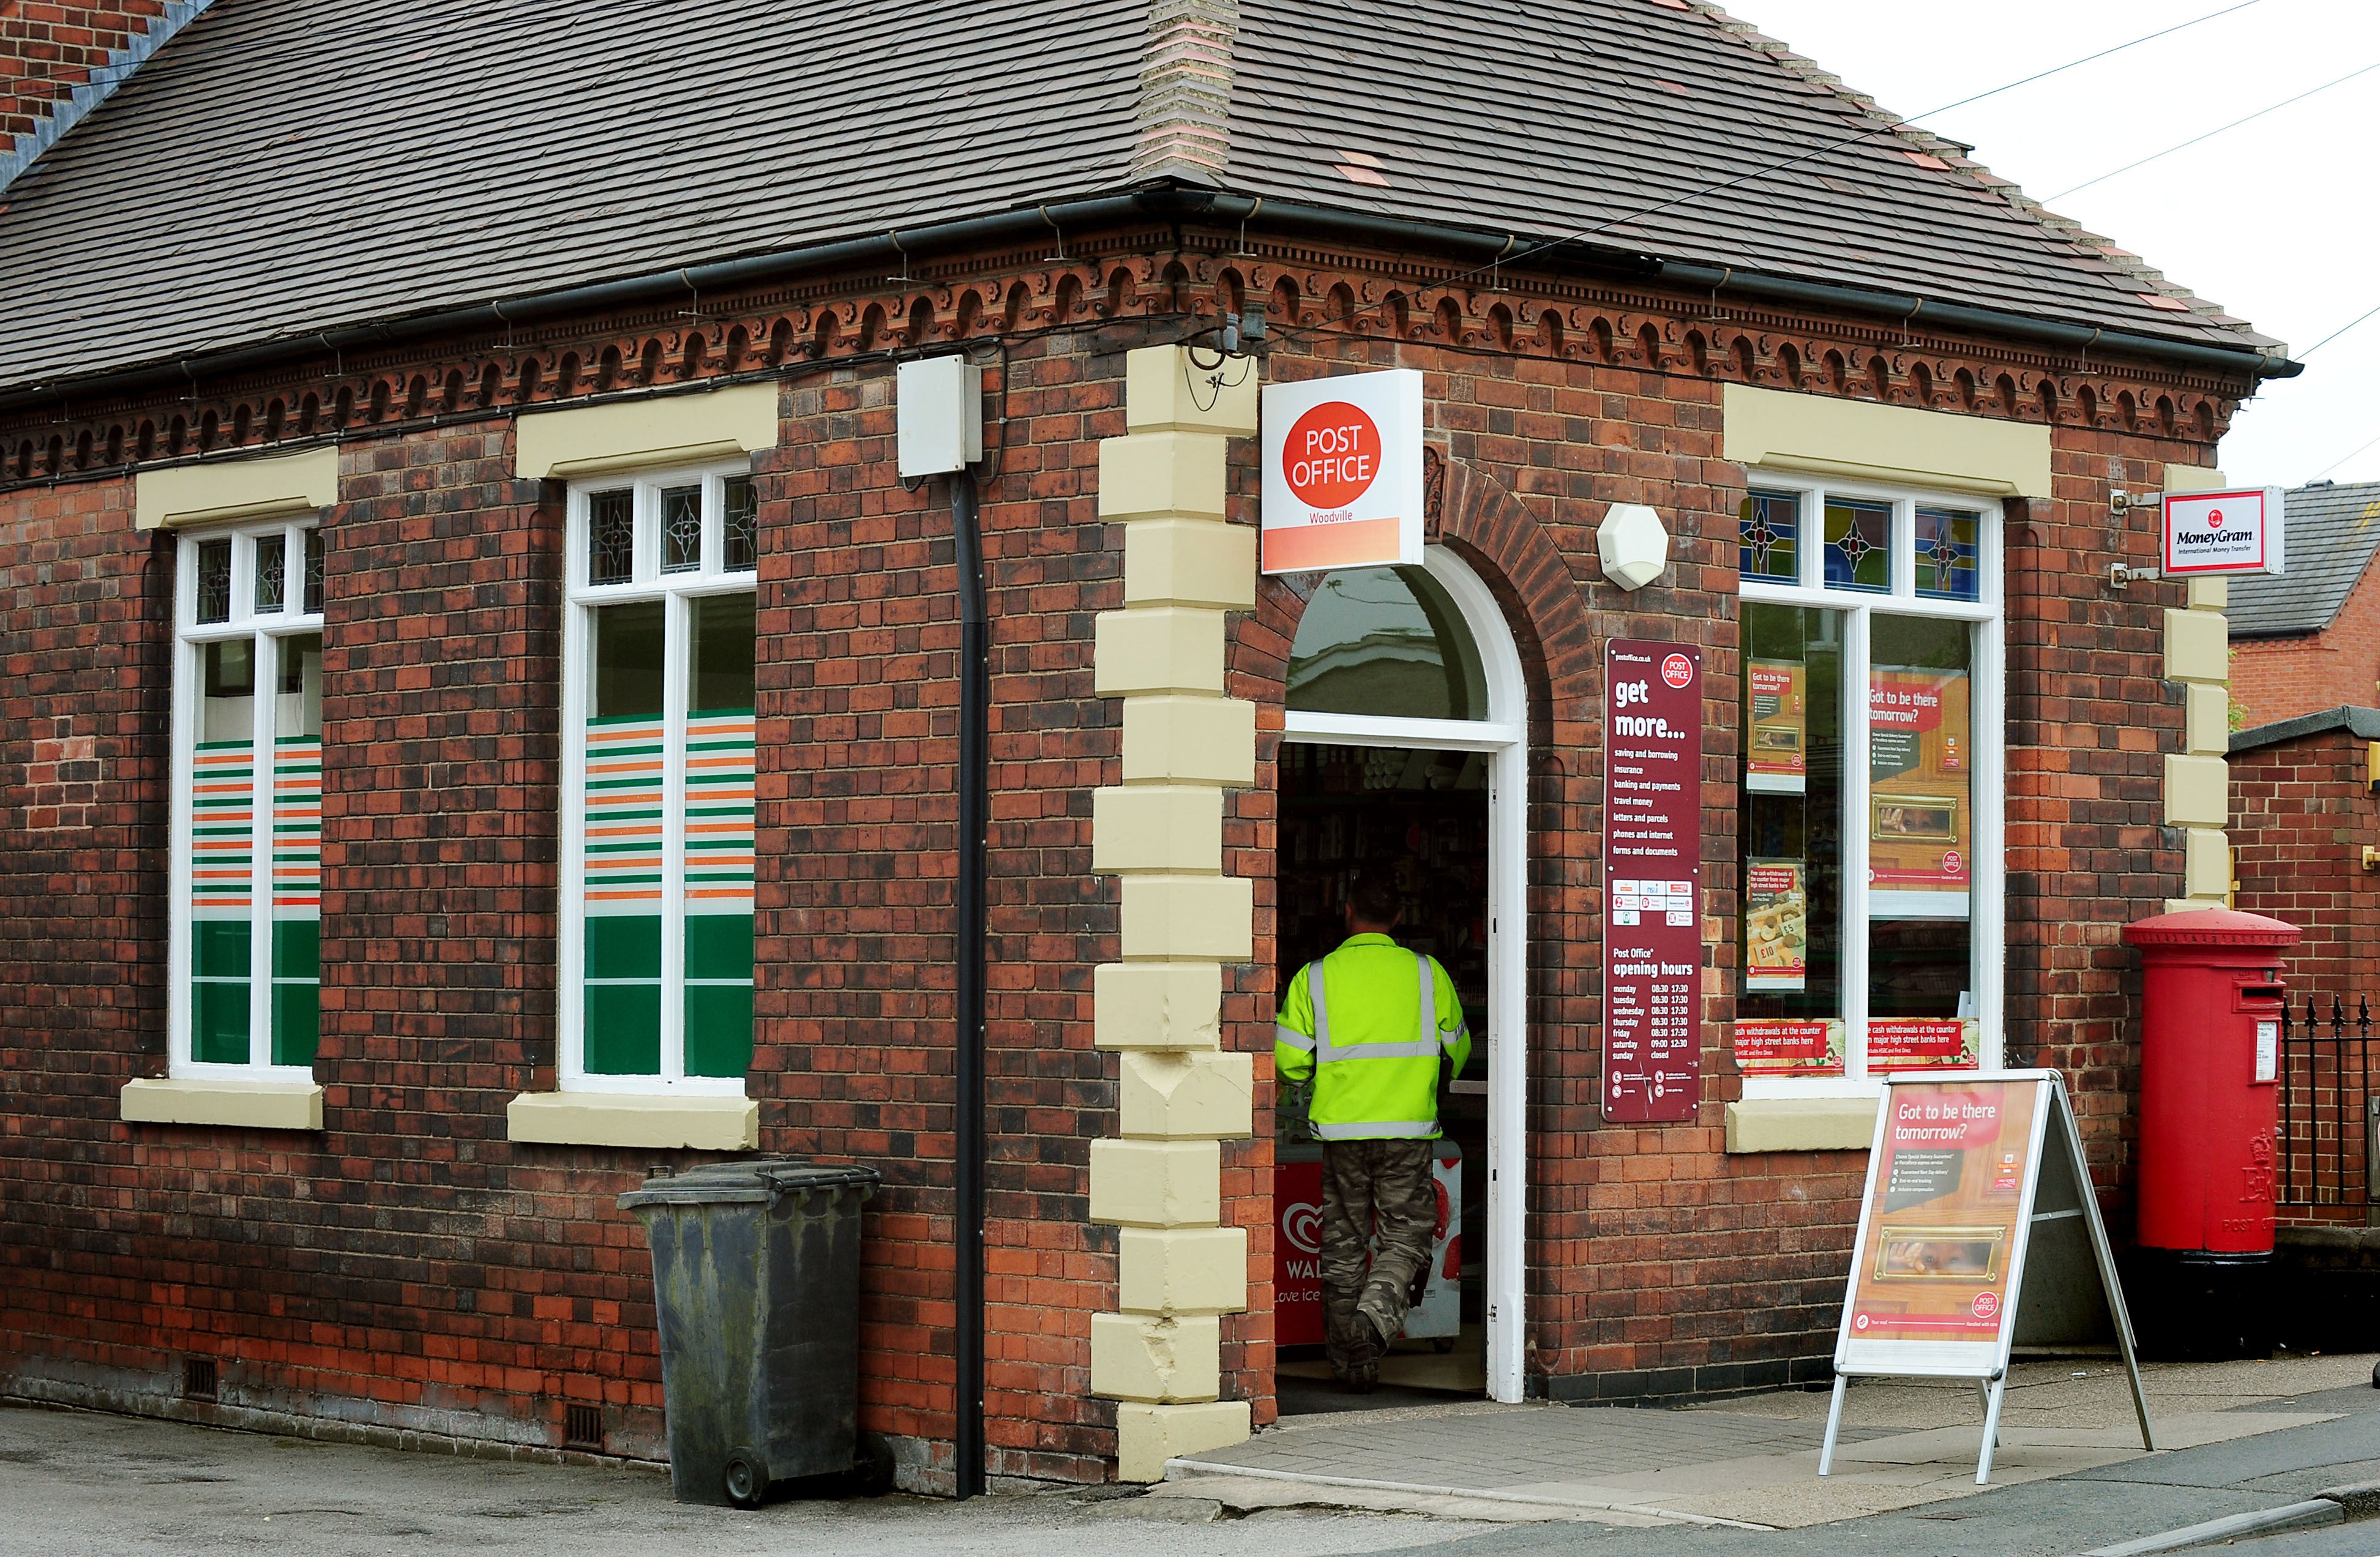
939,402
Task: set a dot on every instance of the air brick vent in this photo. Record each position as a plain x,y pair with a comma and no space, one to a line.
582,1426
197,1378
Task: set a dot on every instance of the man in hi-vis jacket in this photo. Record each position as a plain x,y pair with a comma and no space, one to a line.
1371,1023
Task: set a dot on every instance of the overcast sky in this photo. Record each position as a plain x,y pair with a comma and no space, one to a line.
2278,220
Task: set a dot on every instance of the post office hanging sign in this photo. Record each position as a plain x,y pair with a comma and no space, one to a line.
1343,483
2233,531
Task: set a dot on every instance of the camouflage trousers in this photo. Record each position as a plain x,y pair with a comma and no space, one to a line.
1373,1186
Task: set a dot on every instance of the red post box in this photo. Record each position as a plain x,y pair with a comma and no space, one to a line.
2211,1005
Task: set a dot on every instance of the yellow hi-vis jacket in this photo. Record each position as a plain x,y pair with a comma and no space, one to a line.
1370,1022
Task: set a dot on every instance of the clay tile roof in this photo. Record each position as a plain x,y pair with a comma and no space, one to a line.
286,167
2333,530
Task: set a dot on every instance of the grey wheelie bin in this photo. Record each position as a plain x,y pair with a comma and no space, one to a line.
756,1275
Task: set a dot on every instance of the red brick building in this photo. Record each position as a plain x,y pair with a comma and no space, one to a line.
2308,640
604,805
2302,815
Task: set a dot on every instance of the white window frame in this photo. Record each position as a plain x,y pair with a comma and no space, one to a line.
1988,896
647,583
190,636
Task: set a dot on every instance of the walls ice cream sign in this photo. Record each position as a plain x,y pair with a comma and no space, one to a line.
1343,471
2233,532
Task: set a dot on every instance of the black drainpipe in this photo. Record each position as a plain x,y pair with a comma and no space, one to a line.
975,803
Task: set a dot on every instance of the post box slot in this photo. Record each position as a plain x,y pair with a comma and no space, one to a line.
2256,997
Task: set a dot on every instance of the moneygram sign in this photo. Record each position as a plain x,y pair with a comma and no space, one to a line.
1343,471
2234,532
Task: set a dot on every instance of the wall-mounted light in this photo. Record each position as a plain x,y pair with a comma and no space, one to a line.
1634,545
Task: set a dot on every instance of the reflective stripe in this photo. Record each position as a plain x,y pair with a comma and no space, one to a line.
1461,1034
1321,1007
1292,1037
1419,1048
1428,1004
1407,1130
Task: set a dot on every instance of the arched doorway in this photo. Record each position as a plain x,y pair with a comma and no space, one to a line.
1404,746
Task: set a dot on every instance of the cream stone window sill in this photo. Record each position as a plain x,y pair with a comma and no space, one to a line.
1801,1123
263,1106
662,1123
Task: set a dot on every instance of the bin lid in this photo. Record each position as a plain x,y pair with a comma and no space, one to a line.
2210,927
750,1182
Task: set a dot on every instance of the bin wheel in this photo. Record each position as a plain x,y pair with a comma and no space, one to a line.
873,1466
745,1479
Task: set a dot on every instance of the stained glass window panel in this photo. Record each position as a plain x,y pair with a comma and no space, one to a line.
313,573
214,580
1770,526
272,553
1946,554
680,529
1859,545
743,527
611,538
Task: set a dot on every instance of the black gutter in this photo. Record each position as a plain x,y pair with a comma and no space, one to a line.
1164,203
1827,297
975,804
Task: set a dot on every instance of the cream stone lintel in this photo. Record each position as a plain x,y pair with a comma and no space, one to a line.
2209,594
1182,1270
1801,1123
243,1104
2197,646
1157,1183
1189,741
1165,390
1190,563
2206,719
1158,828
1825,436
1161,1097
223,491
1147,1436
1207,918
1156,1004
2197,791
1157,1361
667,1124
1156,649
644,434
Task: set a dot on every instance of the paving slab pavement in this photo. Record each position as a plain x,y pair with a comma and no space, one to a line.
1905,1443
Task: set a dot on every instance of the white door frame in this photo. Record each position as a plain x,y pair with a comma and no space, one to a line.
1504,735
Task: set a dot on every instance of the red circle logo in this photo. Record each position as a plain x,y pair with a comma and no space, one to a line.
1985,1305
1677,669
2214,518
1952,862
1860,1324
1332,456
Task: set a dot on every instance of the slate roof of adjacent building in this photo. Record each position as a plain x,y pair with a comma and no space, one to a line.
2333,529
2363,724
284,167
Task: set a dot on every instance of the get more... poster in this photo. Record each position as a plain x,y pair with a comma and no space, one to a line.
1930,1289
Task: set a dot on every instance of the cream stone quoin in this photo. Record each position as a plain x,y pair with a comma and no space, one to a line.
1177,1269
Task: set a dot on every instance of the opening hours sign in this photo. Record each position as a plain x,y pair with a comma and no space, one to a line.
1343,483
1652,881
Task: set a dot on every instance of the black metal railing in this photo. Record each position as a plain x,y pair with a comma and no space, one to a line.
2327,1112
